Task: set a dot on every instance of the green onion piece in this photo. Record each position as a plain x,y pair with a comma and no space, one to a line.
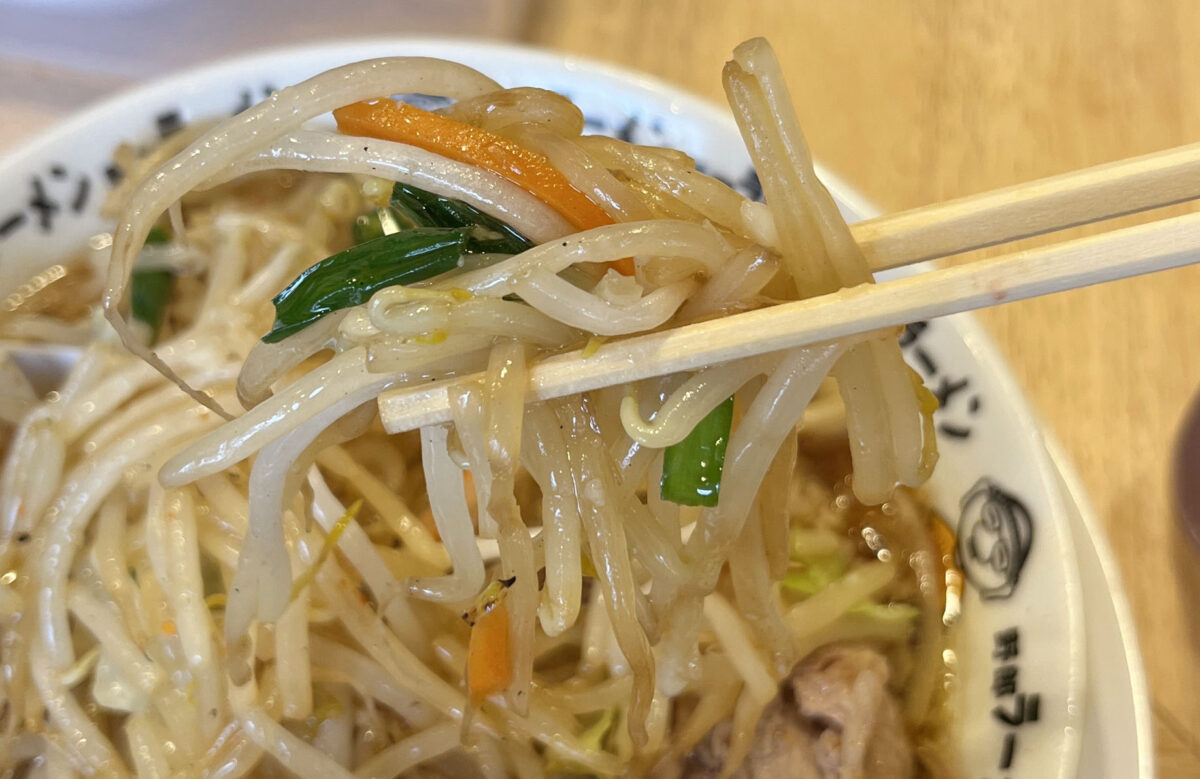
592,739
409,204
366,227
886,612
150,292
157,235
815,574
692,467
425,209
408,215
210,575
350,277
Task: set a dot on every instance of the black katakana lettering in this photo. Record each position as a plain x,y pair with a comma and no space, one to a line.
953,431
628,129
82,190
749,185
1006,752
1025,708
948,388
1007,644
43,205
926,361
912,331
10,223
168,122
1004,680
245,101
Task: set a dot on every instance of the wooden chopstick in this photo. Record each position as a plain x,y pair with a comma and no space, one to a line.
1128,252
1043,206
1046,205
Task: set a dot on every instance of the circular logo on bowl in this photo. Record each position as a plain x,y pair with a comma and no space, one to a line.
995,534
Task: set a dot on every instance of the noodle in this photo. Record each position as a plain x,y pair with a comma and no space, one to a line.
560,521
330,153
872,377
594,180
749,572
687,405
660,238
403,755
295,754
739,648
498,111
504,392
608,548
443,480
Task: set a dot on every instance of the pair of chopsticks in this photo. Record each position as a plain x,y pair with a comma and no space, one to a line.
957,226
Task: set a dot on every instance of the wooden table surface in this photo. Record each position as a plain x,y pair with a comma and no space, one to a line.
918,102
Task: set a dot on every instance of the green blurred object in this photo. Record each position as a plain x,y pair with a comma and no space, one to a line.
814,574
692,467
350,277
425,209
150,293
157,235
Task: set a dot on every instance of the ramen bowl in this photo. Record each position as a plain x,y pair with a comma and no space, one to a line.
1018,664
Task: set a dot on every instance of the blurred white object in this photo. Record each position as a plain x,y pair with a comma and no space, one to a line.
141,39
57,56
76,6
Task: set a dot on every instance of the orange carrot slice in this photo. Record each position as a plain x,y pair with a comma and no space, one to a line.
489,658
391,121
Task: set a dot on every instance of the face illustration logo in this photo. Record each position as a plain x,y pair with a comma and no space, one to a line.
995,534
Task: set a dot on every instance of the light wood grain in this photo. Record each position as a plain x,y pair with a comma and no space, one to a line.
850,312
1040,206
919,102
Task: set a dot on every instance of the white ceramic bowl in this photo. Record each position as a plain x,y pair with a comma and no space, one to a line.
1020,651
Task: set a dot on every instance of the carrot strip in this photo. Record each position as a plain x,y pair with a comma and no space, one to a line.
624,266
391,121
489,658
529,170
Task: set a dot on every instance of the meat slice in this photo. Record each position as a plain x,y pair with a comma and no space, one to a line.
843,690
834,719
784,746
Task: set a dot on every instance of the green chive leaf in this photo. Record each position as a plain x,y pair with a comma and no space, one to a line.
692,467
350,277
150,292
425,209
